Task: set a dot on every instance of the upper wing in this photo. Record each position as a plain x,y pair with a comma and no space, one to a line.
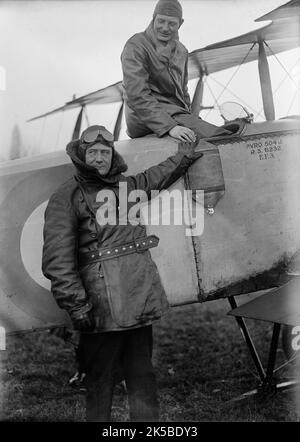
281,34
110,94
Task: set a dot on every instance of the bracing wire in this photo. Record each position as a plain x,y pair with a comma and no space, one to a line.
283,67
292,102
211,91
283,80
233,75
212,94
233,94
294,358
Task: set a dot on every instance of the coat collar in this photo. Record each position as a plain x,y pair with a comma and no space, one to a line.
164,52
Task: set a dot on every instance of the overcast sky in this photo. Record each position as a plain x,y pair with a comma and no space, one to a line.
51,50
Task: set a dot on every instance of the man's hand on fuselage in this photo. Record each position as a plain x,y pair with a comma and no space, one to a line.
183,133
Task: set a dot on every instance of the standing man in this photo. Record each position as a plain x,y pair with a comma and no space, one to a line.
155,78
102,273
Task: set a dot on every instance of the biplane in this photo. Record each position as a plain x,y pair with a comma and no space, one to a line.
250,180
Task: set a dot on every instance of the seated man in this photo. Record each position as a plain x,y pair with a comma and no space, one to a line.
102,273
155,78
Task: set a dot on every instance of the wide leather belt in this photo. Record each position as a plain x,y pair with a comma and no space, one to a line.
102,254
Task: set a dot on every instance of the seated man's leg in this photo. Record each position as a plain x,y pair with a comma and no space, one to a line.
135,127
139,375
202,128
100,353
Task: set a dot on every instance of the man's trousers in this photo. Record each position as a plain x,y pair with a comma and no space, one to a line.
103,355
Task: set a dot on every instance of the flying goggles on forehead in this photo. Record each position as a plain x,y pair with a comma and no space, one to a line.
93,133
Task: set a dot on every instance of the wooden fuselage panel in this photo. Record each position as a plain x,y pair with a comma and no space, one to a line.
251,182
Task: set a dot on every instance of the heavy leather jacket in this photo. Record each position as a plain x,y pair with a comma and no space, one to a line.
123,292
155,86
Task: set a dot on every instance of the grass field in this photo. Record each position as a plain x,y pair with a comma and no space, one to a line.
201,362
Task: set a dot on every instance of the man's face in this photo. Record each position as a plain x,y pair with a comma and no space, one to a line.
166,27
99,156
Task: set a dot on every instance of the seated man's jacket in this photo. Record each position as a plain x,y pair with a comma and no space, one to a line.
155,85
122,292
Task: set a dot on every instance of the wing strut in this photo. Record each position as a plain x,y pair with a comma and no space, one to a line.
77,128
265,82
198,95
118,124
